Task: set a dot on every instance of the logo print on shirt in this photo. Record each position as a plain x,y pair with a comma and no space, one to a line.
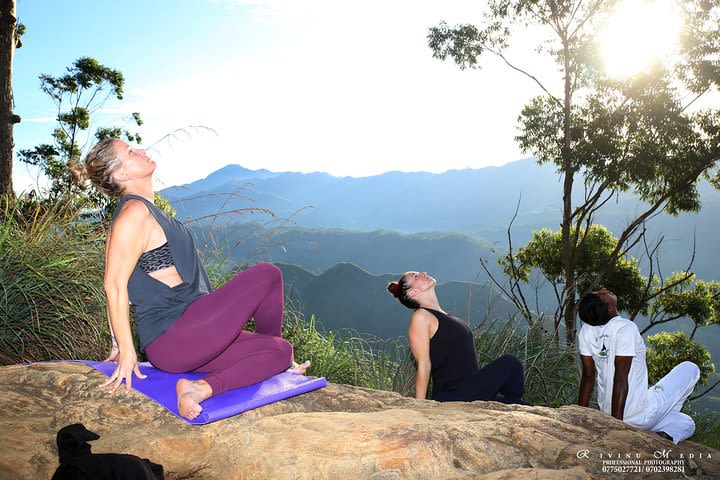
603,351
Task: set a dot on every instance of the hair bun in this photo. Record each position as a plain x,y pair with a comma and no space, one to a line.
79,172
394,288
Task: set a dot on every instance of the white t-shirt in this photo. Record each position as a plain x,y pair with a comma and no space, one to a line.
617,337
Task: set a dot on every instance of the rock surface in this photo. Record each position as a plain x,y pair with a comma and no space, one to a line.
337,432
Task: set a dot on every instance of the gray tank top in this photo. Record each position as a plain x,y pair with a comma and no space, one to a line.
158,306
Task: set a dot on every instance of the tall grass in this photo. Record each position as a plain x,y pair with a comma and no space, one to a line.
552,372
349,357
707,426
51,297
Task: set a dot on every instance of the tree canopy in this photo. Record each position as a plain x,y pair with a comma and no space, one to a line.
78,95
634,134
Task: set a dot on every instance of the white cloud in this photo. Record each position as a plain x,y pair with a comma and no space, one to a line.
355,91
40,120
267,11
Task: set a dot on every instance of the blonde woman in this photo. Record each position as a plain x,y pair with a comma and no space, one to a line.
182,325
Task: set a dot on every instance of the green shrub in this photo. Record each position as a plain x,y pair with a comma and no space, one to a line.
51,288
669,349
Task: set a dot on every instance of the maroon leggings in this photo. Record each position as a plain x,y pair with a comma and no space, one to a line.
209,337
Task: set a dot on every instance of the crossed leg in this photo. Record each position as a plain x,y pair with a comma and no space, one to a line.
671,392
209,337
666,398
504,376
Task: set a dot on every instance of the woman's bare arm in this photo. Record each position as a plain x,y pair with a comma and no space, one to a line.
126,242
419,334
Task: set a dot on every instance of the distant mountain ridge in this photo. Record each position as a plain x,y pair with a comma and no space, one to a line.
348,297
447,256
476,202
406,202
227,175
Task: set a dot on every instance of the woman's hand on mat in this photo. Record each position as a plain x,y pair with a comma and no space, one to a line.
127,365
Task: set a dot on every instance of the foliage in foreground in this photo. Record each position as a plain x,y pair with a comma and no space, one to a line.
707,427
351,358
51,287
552,375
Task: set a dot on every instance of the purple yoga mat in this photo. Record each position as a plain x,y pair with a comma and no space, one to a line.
160,386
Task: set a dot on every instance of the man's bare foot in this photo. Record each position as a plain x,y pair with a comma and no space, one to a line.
190,394
659,435
299,368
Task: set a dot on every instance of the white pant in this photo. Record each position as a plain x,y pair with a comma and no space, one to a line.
664,401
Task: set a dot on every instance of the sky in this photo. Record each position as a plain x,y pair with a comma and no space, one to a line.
342,86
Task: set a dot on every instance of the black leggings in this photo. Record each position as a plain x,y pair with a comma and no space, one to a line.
503,376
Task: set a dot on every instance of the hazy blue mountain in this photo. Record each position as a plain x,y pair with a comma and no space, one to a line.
348,297
476,202
447,256
470,200
227,176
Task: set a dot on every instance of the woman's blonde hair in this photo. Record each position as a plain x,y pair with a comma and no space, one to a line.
98,167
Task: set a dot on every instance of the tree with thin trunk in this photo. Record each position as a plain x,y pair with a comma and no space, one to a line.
9,39
78,95
606,135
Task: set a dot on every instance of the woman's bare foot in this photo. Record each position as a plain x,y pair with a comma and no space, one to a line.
299,368
190,394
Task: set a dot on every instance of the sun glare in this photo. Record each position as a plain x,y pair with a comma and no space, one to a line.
639,32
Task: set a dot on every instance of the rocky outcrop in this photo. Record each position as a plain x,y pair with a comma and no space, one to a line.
337,432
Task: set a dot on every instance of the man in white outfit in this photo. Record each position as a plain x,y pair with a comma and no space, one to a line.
613,353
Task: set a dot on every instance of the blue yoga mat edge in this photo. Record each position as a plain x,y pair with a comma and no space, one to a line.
161,389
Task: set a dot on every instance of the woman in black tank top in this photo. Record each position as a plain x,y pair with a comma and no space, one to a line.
444,349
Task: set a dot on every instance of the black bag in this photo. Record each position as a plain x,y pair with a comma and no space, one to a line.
77,462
